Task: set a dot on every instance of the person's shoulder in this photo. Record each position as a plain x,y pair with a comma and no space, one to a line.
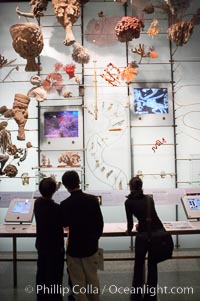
37,202
65,202
148,197
91,197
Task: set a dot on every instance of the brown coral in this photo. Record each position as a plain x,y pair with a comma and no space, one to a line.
128,28
67,13
20,109
180,32
28,42
10,170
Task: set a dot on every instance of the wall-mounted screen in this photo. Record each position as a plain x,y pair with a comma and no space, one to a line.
191,204
20,210
60,124
151,100
61,128
151,104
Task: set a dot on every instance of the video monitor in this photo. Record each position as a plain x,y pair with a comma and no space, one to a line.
191,205
60,124
151,103
20,210
61,128
151,100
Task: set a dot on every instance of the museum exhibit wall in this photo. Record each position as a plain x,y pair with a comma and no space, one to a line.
112,142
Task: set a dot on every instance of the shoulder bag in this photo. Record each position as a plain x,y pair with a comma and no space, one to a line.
161,244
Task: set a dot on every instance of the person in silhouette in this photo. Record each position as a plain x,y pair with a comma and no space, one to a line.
82,215
137,205
49,243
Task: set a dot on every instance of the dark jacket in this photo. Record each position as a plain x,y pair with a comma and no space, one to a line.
49,230
82,214
136,204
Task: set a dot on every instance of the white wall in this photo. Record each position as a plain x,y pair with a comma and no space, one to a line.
110,158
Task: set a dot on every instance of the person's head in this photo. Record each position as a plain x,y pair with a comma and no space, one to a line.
47,187
70,180
135,184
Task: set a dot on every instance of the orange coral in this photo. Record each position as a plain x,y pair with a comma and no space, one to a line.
129,73
153,54
154,28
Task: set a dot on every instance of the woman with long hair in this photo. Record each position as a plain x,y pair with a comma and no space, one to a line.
142,207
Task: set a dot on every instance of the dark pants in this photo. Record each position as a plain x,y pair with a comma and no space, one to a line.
141,248
49,276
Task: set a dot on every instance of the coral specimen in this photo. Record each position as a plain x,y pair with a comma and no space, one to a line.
67,13
35,80
140,50
28,42
154,28
180,32
37,8
178,7
3,61
10,170
80,54
38,93
149,8
53,82
101,31
71,159
111,75
7,113
128,28
153,54
20,109
69,69
129,73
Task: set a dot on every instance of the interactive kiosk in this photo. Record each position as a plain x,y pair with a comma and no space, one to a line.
191,205
20,211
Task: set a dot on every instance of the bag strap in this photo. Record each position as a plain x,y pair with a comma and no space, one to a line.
148,219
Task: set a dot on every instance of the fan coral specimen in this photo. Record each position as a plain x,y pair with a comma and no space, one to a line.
154,28
128,28
129,73
101,31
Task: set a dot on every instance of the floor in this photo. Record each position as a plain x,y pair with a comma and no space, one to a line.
179,279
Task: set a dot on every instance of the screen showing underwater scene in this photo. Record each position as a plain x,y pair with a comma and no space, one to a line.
61,124
150,100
